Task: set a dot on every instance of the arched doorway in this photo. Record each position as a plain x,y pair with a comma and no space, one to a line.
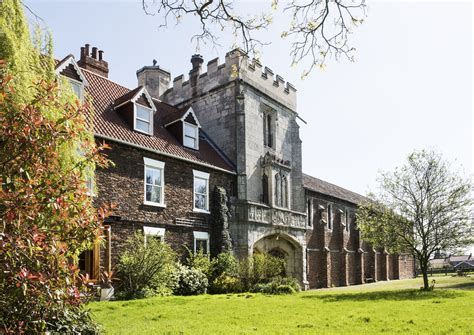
285,247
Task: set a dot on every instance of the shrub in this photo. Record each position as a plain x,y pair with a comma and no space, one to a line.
190,281
279,285
259,269
199,261
226,284
146,269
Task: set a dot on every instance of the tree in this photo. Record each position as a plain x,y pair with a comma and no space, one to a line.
422,207
47,217
319,28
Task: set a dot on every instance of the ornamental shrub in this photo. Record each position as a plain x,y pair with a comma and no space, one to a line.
146,269
190,281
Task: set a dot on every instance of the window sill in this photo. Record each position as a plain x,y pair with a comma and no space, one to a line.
154,204
197,210
142,132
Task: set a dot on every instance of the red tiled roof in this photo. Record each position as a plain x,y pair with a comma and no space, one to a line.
109,124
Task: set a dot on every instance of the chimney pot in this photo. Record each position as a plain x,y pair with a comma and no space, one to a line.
94,52
196,61
94,62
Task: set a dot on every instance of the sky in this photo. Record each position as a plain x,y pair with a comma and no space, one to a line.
409,88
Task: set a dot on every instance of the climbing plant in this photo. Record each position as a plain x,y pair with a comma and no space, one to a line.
219,222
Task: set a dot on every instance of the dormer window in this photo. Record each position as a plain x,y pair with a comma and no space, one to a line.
184,125
137,109
143,119
190,136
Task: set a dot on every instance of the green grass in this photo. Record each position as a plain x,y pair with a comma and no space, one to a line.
379,308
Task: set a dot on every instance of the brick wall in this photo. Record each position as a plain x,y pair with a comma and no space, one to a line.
123,185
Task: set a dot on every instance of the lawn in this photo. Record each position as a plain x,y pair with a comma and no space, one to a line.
384,307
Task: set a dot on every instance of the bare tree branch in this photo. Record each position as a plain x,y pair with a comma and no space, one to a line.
319,28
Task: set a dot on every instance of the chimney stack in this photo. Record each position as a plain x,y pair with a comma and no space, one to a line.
155,79
196,61
94,62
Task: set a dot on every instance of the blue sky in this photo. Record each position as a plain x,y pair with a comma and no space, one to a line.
410,87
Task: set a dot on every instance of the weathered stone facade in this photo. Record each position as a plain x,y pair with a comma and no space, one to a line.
252,117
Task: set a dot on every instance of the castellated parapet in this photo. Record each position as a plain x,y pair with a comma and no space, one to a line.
237,65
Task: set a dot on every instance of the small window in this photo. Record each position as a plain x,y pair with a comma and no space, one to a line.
201,242
329,216
268,125
281,190
348,220
143,119
201,191
265,199
310,212
90,184
154,182
190,136
154,233
77,89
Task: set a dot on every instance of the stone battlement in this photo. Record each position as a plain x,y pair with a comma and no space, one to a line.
237,65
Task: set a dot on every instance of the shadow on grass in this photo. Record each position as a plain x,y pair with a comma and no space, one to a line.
461,286
388,295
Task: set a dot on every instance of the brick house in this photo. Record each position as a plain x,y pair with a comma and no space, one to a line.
165,166
234,126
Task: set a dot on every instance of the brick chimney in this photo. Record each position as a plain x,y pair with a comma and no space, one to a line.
93,62
155,79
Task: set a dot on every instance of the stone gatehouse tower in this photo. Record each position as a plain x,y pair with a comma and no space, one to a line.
251,115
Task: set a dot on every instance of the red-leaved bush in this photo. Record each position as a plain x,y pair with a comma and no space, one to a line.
46,216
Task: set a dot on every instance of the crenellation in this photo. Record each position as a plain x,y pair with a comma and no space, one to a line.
212,66
178,81
237,65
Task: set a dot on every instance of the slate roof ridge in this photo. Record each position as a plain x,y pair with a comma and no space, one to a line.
343,193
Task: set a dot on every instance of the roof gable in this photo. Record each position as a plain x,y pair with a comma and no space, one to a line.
186,115
138,95
69,64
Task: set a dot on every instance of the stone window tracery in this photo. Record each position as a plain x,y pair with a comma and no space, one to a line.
281,190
